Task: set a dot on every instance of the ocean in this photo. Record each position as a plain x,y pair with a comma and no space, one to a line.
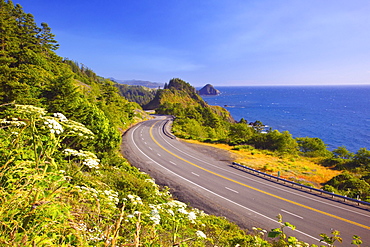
338,115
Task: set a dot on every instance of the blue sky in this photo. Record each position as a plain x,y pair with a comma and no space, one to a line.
234,42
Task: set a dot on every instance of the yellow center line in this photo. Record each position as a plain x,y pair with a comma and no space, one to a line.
253,188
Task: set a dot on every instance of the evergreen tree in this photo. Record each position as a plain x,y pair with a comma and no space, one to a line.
46,38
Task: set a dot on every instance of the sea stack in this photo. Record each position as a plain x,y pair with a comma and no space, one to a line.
209,90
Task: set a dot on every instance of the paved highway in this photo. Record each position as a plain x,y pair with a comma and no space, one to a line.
249,197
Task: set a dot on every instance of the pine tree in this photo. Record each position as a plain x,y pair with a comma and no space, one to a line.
46,38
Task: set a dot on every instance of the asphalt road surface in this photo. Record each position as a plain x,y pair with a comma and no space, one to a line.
218,188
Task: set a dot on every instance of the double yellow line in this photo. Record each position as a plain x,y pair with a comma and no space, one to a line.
253,188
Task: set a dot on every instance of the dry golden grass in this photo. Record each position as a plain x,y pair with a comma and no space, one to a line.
294,168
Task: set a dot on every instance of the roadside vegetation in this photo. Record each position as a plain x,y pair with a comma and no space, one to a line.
63,181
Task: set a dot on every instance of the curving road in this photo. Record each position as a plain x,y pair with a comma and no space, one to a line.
242,197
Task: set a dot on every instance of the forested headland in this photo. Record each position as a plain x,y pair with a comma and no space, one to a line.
139,94
63,181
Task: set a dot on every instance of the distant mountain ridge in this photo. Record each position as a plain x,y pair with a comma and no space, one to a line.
148,84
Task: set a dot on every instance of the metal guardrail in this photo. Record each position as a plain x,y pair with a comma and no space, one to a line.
278,179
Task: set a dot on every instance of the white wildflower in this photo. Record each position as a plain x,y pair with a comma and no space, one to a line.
130,197
81,227
155,217
176,204
200,234
91,163
192,216
90,158
30,109
53,125
150,181
170,212
76,128
14,123
112,196
135,199
80,153
61,117
182,210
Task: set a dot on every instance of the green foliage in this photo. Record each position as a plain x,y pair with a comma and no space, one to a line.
362,158
276,141
349,185
356,240
240,133
57,196
312,147
342,153
330,240
138,94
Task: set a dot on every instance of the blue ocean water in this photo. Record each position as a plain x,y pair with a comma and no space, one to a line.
339,115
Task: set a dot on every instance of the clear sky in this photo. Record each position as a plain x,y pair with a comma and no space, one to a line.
234,42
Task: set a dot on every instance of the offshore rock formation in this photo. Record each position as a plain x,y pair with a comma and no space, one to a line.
209,90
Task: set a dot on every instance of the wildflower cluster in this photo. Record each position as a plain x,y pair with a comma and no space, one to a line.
112,197
175,213
89,158
53,125
133,199
30,110
94,234
88,190
13,122
160,193
133,204
91,163
57,124
200,234
78,129
108,197
154,216
61,117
